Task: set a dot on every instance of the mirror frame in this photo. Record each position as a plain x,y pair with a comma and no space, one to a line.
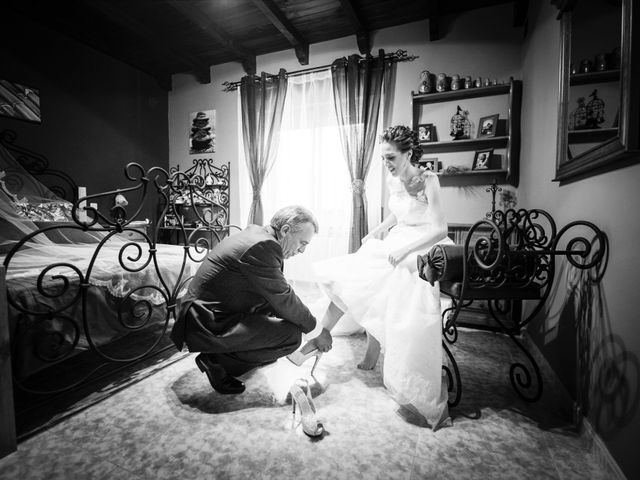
621,150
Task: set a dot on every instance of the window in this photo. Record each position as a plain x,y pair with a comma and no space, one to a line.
310,170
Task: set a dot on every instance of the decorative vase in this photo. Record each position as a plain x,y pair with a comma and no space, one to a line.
426,86
601,62
441,82
455,82
585,65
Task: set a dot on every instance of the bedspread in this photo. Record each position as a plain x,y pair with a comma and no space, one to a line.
70,298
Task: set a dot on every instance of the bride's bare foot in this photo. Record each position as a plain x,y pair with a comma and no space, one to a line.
371,355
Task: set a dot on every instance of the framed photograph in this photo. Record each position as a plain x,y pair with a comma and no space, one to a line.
170,220
19,101
482,159
202,132
431,163
487,126
426,132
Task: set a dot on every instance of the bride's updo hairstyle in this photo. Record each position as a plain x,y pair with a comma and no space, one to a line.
404,140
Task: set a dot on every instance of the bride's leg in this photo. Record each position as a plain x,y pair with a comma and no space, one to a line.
371,355
329,320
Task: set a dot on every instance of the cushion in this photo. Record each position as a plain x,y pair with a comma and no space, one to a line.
442,263
44,212
513,278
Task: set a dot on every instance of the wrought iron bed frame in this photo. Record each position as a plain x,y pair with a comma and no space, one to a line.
204,184
37,165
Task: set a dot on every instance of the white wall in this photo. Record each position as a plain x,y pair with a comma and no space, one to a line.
467,49
611,201
187,96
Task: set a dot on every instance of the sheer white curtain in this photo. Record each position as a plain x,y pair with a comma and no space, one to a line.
310,170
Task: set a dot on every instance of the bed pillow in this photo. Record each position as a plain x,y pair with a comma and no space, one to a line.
44,212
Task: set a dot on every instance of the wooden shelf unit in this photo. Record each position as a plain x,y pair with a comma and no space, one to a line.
509,139
594,77
593,135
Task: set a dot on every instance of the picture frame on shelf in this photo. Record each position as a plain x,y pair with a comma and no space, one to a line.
170,220
426,132
430,163
488,126
482,160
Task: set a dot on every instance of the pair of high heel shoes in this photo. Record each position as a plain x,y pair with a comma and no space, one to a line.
298,358
302,398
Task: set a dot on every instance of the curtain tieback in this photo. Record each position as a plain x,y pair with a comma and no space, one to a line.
357,186
256,192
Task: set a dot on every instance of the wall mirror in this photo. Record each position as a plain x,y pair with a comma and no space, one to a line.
599,102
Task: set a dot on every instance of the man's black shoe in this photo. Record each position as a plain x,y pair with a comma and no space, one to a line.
219,379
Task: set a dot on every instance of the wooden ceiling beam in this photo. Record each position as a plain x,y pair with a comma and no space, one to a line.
520,11
433,11
197,16
270,10
355,18
153,40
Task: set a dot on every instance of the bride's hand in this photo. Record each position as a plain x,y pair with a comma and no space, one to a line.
368,237
397,256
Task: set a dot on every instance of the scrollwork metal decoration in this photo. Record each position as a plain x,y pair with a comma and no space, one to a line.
37,165
454,383
199,201
511,257
60,322
494,188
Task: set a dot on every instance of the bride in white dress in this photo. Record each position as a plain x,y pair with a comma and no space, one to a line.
379,285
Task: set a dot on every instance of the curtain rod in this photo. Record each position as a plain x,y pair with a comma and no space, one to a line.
397,56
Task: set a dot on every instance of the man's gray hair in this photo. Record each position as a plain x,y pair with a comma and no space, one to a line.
294,216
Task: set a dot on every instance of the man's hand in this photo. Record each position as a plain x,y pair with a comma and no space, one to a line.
324,341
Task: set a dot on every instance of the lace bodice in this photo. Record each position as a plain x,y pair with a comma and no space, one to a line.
408,201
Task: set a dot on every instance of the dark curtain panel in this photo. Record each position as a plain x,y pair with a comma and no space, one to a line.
357,89
262,101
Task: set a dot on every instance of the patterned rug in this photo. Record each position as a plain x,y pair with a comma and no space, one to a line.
35,413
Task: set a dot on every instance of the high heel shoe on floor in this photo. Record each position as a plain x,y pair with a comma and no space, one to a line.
310,424
298,358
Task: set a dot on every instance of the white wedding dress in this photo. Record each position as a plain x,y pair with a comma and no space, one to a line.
397,307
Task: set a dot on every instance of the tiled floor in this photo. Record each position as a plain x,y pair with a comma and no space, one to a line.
172,425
